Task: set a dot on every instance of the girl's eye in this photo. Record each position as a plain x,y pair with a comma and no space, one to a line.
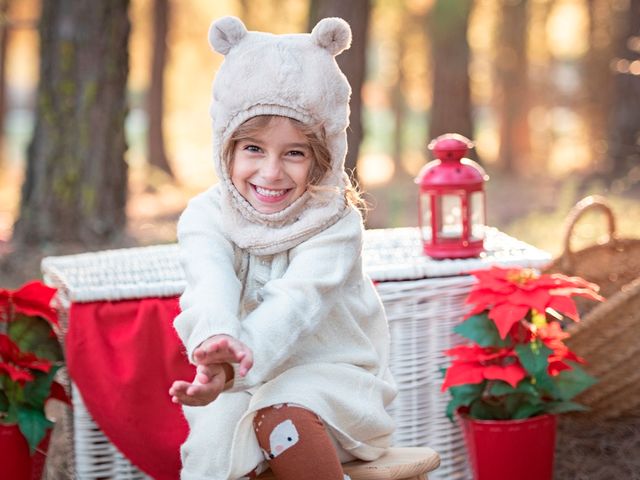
252,148
296,153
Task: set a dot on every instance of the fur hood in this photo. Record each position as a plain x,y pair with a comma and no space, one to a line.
295,76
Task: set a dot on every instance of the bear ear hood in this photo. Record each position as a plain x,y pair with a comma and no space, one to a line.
290,75
225,33
334,34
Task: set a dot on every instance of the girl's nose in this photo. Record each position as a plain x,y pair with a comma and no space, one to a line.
271,168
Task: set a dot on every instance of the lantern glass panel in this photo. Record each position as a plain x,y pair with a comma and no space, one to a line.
476,206
449,216
425,210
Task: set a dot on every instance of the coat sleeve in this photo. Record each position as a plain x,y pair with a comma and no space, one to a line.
295,305
209,304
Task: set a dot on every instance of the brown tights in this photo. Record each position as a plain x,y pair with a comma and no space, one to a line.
296,444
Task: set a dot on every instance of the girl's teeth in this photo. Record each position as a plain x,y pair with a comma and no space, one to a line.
269,193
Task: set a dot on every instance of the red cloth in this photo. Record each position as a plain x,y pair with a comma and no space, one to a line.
123,357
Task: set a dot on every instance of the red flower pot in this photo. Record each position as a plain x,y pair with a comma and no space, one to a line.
15,461
511,449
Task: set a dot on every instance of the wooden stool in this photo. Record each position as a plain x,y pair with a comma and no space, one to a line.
396,464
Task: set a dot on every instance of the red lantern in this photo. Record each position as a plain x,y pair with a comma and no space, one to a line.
452,200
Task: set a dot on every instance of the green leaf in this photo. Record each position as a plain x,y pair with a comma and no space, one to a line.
33,425
572,382
485,411
462,396
500,388
35,335
526,410
37,391
12,414
12,390
482,330
564,407
534,357
4,402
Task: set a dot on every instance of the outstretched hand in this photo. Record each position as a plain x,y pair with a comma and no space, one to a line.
206,386
213,359
224,349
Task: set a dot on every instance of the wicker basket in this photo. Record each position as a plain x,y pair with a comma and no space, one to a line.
607,338
610,264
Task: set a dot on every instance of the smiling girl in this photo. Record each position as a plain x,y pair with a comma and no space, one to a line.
288,335
271,161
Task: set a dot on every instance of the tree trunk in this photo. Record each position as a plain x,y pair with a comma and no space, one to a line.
513,87
451,106
76,179
155,103
352,62
398,102
598,80
624,150
4,38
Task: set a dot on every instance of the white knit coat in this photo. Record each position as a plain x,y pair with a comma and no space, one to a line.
289,285
315,325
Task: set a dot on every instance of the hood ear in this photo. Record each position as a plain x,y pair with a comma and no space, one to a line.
225,33
332,34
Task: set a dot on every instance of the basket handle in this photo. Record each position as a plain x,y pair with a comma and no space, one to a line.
592,202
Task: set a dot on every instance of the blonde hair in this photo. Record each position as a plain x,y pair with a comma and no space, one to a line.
315,137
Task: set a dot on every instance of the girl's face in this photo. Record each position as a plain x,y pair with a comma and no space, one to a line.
271,168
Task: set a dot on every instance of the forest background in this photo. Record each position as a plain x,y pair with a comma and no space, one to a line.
106,132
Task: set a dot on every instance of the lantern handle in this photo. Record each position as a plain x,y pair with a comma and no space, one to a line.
592,202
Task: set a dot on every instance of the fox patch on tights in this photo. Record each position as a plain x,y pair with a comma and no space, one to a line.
282,437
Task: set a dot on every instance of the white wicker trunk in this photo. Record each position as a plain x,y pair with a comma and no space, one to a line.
423,298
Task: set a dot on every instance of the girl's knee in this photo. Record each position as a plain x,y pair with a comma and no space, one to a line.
278,427
295,440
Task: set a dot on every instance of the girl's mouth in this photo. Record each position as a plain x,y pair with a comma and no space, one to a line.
269,195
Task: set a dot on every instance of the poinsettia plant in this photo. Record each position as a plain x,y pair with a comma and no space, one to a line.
30,356
516,364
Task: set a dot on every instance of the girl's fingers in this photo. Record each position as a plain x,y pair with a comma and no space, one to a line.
179,386
245,364
225,350
218,344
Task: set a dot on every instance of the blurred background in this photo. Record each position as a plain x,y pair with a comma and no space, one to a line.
106,132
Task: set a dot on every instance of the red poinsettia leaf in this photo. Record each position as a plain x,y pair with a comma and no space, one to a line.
34,298
586,293
58,393
8,349
512,374
463,373
475,353
464,352
10,352
16,374
552,331
537,298
543,281
488,281
564,305
569,355
475,310
506,315
4,304
557,366
486,297
573,282
34,363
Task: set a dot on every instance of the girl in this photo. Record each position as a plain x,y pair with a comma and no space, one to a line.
288,335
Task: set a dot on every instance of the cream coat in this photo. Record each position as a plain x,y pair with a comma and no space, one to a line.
316,327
